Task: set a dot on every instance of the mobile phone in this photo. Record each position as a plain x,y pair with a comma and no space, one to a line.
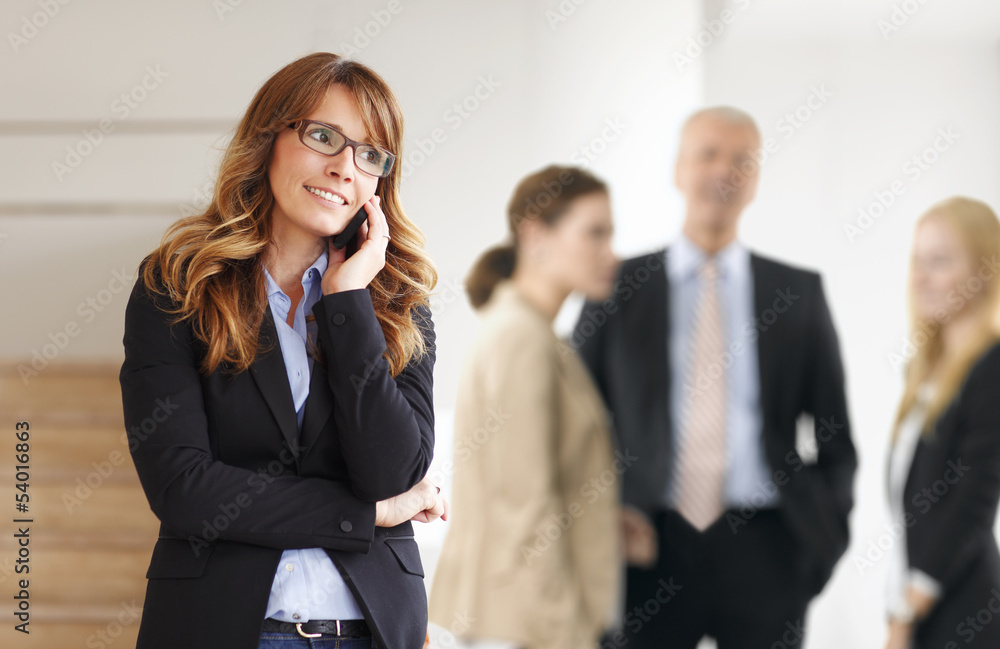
345,237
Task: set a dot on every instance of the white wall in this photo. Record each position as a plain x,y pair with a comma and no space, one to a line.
557,84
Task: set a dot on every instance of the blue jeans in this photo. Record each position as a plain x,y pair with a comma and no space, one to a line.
270,640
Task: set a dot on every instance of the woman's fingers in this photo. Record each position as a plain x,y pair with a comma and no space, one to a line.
364,265
433,503
363,228
379,224
336,256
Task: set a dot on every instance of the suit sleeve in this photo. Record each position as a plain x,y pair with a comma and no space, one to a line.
386,422
188,490
944,549
589,340
837,458
520,388
590,493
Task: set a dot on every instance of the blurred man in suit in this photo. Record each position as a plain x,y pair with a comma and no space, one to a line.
711,358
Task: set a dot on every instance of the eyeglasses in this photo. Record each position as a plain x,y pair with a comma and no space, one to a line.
328,140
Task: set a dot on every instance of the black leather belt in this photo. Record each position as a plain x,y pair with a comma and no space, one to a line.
317,628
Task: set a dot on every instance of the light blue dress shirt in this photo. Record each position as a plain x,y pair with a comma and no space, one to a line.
748,478
307,586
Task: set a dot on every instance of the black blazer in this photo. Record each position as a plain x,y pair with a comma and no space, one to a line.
623,341
950,505
223,468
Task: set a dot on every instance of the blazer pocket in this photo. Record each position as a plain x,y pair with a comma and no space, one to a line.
407,553
178,558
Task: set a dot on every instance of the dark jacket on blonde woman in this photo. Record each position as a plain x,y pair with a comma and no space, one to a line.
950,502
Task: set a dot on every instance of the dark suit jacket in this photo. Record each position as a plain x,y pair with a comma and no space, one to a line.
623,341
950,504
223,467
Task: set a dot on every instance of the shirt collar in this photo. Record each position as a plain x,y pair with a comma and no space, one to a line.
314,271
684,258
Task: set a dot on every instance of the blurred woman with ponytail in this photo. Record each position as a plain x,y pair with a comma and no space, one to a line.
531,559
944,463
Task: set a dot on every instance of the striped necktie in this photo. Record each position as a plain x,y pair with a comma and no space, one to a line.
701,462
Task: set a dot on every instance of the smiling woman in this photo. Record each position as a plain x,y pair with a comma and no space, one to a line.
286,478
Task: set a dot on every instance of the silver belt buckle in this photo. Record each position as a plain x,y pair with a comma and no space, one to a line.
298,627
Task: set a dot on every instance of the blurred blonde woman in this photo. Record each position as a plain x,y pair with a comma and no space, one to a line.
531,558
944,465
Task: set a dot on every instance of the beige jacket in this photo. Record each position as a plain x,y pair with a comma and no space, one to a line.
532,550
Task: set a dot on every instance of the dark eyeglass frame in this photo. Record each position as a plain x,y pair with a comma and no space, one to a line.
301,126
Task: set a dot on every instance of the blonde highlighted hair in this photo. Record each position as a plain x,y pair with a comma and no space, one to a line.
209,264
979,230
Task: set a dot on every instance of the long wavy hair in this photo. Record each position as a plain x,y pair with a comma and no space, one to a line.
210,263
979,229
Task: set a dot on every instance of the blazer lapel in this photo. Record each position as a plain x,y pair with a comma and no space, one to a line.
319,406
653,353
659,351
767,341
268,371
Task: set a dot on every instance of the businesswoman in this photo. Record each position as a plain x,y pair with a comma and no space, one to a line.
277,389
530,559
944,467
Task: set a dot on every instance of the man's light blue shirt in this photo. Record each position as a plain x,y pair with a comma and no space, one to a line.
748,478
307,586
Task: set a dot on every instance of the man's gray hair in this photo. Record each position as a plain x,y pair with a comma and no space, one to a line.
728,114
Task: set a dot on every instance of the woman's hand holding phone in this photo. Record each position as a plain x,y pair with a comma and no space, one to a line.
358,271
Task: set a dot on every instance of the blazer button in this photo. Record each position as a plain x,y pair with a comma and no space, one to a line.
346,525
338,318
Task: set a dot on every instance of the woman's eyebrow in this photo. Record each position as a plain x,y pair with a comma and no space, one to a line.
366,138
333,124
